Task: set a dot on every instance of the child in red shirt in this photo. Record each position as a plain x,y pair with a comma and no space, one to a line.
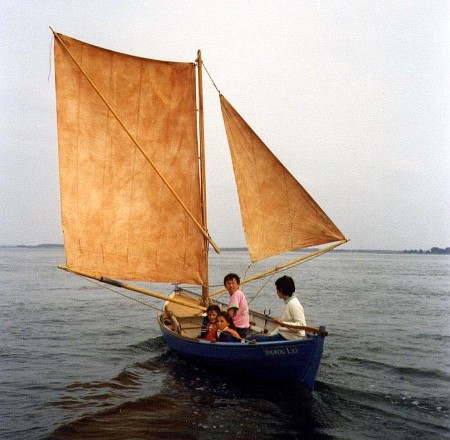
209,324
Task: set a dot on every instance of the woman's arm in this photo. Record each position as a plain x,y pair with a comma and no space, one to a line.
233,333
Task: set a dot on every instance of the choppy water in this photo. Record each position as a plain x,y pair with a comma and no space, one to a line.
78,361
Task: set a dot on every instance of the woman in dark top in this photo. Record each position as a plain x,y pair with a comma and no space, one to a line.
226,331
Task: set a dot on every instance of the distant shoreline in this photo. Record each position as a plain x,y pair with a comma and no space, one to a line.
432,251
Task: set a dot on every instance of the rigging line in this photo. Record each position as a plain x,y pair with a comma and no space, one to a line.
221,286
288,269
246,271
210,77
158,309
288,265
101,285
260,289
52,41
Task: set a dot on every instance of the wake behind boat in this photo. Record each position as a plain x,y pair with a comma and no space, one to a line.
133,198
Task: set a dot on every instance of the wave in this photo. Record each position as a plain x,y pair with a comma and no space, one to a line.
403,416
193,403
419,373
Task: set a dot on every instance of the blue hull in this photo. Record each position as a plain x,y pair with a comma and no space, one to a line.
294,361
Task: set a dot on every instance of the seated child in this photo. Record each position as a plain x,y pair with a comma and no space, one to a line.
209,324
226,331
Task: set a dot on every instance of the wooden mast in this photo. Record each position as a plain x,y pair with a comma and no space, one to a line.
201,125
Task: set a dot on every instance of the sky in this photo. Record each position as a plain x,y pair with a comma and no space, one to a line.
352,96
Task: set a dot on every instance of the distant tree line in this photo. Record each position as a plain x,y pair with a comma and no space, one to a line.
433,250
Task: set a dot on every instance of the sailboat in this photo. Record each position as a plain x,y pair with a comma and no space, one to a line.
133,200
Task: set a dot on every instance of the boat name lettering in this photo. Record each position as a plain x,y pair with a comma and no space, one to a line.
280,351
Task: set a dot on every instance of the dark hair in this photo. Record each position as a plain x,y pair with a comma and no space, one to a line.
213,308
228,318
231,276
285,285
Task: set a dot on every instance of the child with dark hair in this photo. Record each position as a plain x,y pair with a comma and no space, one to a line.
237,304
209,324
226,330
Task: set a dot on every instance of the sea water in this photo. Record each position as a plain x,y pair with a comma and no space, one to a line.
78,360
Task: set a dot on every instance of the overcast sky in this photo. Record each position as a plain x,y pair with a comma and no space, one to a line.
353,96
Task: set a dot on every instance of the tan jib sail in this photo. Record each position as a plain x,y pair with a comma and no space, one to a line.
119,218
277,213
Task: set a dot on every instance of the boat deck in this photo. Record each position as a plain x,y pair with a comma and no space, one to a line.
187,321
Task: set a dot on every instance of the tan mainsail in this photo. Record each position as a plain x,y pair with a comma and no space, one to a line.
277,213
119,218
